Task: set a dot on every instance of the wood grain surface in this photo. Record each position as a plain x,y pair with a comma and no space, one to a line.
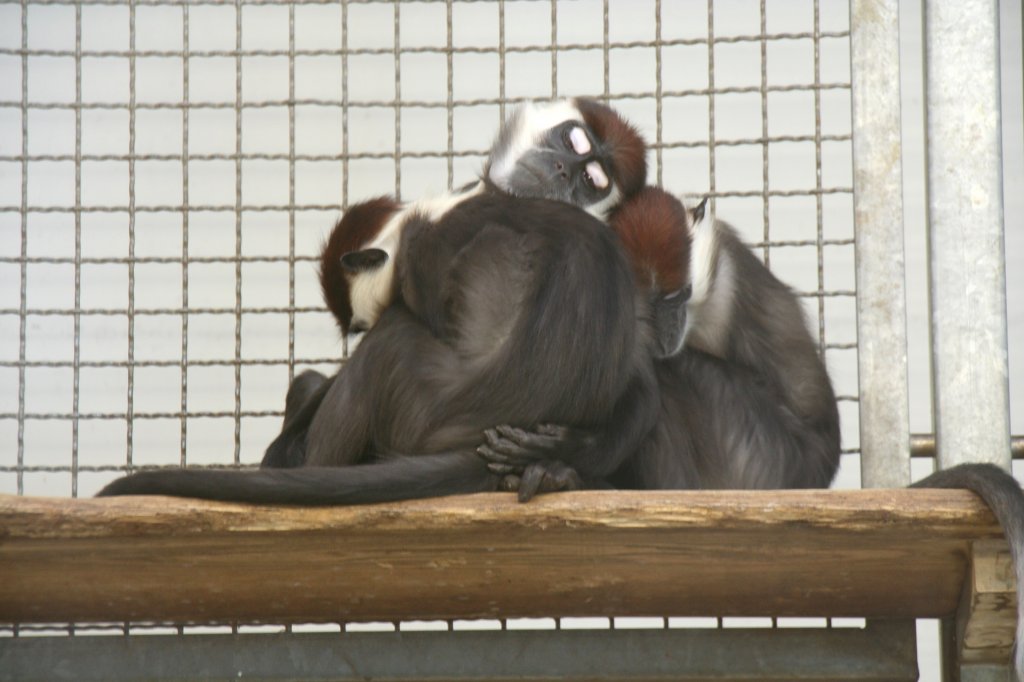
891,553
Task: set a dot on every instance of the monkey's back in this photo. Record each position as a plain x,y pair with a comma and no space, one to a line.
537,298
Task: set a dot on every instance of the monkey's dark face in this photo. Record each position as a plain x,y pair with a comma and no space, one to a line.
547,150
655,229
668,310
568,164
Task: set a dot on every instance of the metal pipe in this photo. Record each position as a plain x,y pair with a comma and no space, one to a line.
965,236
878,215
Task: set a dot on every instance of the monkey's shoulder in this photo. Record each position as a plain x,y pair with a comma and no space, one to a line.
524,214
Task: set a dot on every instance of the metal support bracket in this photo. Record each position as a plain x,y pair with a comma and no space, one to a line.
881,651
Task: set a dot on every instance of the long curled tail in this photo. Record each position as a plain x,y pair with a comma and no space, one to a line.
398,478
1004,496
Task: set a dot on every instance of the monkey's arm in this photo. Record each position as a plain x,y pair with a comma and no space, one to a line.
592,454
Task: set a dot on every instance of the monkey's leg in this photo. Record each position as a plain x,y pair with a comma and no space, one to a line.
302,388
303,400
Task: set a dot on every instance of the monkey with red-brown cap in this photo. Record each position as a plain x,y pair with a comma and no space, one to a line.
484,306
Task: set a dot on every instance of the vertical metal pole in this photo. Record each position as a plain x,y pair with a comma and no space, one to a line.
878,212
185,213
23,261
965,237
237,414
881,280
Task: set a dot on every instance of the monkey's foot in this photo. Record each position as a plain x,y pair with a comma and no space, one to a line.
546,476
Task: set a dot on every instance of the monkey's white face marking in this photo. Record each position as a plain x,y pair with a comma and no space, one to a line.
703,248
601,208
579,140
596,175
529,124
371,291
709,311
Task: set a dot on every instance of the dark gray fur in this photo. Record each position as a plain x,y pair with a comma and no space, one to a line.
760,411
405,417
757,412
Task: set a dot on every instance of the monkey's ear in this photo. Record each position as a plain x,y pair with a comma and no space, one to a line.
698,213
363,261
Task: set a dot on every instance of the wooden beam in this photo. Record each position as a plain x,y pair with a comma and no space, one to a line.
863,553
987,619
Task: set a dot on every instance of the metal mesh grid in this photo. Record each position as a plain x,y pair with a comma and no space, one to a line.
195,154
170,168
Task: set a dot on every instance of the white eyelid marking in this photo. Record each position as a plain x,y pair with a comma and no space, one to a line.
579,140
597,175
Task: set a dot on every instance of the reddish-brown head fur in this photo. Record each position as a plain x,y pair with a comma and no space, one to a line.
654,228
628,148
360,224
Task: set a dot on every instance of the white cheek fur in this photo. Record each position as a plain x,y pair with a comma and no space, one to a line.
370,292
702,260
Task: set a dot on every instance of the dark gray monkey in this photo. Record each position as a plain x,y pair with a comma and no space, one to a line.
746,403
482,307
575,151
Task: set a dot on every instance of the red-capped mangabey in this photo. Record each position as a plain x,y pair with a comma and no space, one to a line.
482,308
655,231
747,402
577,151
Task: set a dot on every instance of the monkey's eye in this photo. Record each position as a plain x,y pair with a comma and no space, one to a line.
579,141
594,176
683,294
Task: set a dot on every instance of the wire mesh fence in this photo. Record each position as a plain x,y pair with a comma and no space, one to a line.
170,168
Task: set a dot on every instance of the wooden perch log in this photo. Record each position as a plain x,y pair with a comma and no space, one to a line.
864,553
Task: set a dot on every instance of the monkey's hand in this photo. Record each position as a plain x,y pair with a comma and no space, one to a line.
509,450
545,476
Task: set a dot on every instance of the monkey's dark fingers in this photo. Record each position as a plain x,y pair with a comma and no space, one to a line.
509,484
501,448
548,476
555,431
530,483
504,469
492,456
539,443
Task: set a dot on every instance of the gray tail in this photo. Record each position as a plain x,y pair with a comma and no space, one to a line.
393,479
1003,495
